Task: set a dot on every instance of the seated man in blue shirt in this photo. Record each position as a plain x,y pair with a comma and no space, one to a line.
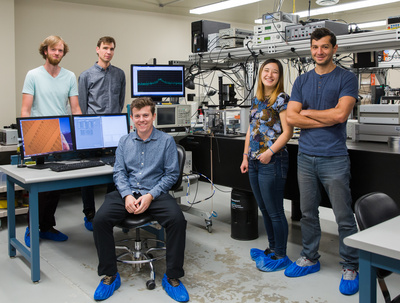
146,162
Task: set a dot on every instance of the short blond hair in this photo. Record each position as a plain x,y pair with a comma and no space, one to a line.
51,41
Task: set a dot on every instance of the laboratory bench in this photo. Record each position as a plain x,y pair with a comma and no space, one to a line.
374,166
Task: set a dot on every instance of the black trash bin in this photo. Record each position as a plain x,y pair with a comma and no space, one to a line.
244,215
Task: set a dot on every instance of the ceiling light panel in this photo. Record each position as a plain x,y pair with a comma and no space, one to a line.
220,6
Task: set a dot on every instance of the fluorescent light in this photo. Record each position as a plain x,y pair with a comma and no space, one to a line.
220,6
372,24
344,7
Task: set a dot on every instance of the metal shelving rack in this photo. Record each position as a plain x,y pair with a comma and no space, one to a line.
351,43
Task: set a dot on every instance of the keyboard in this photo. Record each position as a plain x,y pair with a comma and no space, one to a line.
45,165
77,165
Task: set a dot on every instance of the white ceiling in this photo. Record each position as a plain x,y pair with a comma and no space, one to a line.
243,14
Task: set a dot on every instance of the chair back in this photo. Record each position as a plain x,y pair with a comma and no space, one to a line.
181,161
374,208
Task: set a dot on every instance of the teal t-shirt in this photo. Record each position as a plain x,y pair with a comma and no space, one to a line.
50,95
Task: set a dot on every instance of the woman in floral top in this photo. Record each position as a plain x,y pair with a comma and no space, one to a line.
266,159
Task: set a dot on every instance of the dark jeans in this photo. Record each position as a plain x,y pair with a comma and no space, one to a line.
164,209
48,202
268,184
333,173
89,207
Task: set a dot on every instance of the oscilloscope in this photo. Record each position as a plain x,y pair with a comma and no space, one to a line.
175,117
157,81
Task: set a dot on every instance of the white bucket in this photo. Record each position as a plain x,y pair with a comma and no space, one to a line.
394,143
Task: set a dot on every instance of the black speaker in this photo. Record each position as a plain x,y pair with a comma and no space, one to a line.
366,59
200,31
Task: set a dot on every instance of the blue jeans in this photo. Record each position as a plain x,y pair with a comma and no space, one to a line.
268,184
333,173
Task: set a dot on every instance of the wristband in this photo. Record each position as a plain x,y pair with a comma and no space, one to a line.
271,151
244,154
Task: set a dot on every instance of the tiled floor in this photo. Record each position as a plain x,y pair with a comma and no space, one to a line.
218,268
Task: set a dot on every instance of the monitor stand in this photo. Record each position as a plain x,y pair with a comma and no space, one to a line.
157,100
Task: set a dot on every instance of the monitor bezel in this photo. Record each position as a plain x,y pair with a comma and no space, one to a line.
101,149
152,95
41,157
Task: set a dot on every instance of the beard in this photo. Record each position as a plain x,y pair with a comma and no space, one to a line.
53,61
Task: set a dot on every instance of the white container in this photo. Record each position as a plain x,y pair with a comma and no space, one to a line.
394,143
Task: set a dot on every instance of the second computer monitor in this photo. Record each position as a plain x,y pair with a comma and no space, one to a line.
99,132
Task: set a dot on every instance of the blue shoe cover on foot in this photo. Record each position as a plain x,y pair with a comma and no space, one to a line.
104,291
58,236
349,287
178,293
88,224
294,271
255,253
269,265
27,237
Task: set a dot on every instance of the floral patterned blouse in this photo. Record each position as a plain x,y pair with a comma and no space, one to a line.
265,124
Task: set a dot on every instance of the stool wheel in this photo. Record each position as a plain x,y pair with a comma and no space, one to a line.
150,284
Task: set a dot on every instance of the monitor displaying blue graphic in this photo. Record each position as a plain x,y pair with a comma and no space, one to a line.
93,132
157,81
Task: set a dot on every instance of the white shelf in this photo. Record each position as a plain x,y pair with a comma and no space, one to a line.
3,188
18,211
6,148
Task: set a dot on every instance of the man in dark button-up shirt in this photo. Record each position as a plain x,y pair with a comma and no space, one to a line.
102,86
101,91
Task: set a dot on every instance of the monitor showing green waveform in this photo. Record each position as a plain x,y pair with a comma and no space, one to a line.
148,81
158,80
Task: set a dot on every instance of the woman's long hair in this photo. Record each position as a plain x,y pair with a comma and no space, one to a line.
260,94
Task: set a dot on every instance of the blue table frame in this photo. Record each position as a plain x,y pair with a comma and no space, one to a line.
369,262
379,247
42,181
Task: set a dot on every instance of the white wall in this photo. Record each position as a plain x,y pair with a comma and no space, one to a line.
140,36
7,70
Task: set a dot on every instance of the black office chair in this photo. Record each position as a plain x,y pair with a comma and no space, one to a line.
372,209
142,252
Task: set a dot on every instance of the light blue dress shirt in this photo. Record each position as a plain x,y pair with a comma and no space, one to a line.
149,166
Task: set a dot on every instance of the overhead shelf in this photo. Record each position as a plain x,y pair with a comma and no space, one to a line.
351,43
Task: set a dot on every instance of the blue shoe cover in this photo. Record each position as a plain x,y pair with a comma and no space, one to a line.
255,253
88,224
349,287
58,236
269,265
27,237
294,271
104,291
178,293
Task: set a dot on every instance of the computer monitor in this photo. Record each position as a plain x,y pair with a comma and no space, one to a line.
99,132
157,81
43,136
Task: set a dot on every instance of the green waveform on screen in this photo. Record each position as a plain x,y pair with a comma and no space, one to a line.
158,81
